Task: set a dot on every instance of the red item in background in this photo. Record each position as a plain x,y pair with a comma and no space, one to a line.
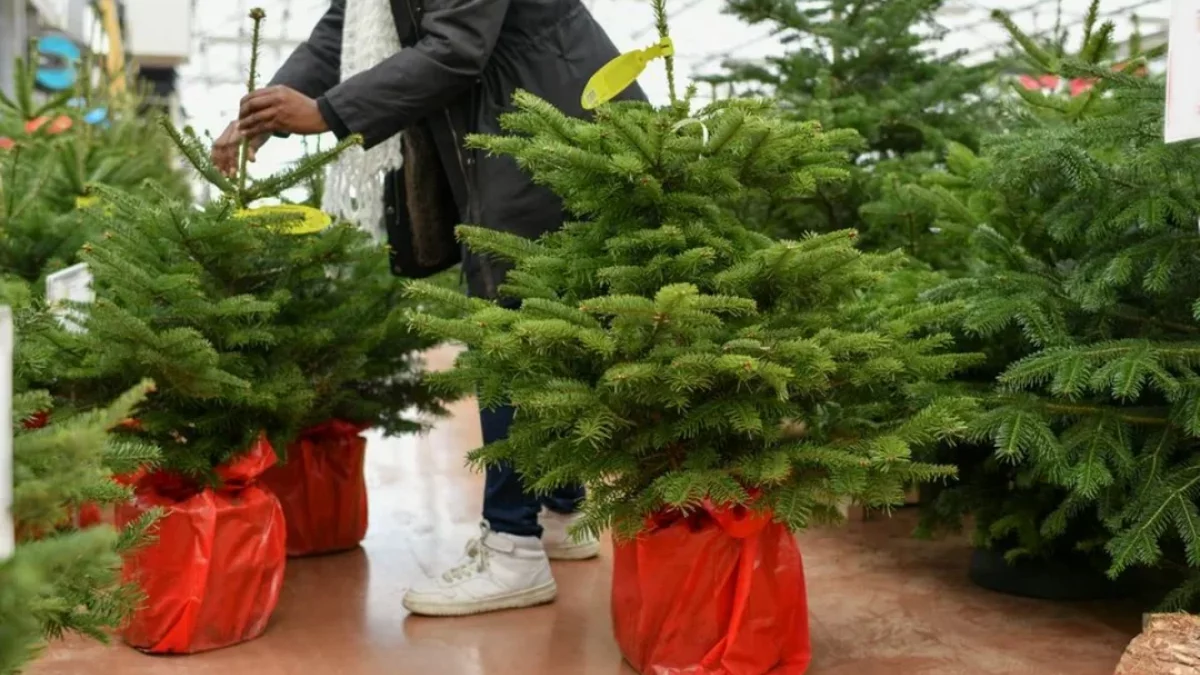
213,575
1043,82
1080,85
38,421
322,489
7,143
717,592
57,126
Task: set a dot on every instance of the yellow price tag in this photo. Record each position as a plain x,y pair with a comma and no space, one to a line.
302,220
617,75
84,201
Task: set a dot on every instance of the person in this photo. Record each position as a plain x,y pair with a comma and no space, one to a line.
428,73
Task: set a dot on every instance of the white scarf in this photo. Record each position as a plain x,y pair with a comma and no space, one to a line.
354,188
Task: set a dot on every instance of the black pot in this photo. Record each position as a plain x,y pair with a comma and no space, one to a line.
1068,577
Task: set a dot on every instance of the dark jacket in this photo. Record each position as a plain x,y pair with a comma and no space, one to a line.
462,60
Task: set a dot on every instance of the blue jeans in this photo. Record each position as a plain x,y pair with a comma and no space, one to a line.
507,506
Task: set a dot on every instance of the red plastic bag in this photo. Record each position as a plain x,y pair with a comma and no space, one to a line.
322,489
717,592
88,515
212,577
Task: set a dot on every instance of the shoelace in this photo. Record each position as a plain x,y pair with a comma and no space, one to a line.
478,557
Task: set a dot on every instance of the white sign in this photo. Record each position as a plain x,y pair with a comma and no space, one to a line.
53,13
7,338
73,284
1183,76
158,32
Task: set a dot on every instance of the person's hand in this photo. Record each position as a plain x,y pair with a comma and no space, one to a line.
225,149
279,109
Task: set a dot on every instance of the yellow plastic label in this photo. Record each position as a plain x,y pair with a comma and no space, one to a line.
617,75
306,219
84,201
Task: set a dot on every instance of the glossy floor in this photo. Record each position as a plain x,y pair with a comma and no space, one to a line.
882,604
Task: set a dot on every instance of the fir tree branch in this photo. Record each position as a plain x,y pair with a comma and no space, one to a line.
1133,314
304,170
1080,409
1034,50
195,152
256,15
660,24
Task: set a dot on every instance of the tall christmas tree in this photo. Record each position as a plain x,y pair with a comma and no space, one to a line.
1080,222
662,350
868,66
63,579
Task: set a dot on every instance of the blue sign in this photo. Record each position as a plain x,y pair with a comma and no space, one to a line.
59,64
97,116
58,69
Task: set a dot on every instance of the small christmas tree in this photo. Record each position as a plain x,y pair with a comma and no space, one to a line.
661,346
249,319
867,66
63,579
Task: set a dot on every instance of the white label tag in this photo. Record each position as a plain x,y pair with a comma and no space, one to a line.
1182,120
73,284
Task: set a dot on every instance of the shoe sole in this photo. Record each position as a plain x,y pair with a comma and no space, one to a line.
574,552
530,597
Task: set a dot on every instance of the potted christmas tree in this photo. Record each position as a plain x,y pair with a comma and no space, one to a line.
204,300
61,579
1067,219
660,349
268,327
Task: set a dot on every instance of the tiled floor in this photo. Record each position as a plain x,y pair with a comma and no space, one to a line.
882,604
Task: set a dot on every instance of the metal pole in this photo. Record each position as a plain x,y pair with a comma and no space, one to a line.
14,36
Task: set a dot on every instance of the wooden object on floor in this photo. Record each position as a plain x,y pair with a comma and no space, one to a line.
1169,645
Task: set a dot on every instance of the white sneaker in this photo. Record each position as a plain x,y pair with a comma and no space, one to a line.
558,542
499,571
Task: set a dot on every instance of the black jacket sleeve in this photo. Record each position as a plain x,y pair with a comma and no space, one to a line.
457,38
315,66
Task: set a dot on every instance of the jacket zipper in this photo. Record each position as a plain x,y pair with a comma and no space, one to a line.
489,283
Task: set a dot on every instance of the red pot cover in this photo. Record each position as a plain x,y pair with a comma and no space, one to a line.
213,575
718,592
322,489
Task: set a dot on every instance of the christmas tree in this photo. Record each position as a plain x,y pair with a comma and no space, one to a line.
867,66
63,579
1079,222
53,150
250,319
371,359
663,353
